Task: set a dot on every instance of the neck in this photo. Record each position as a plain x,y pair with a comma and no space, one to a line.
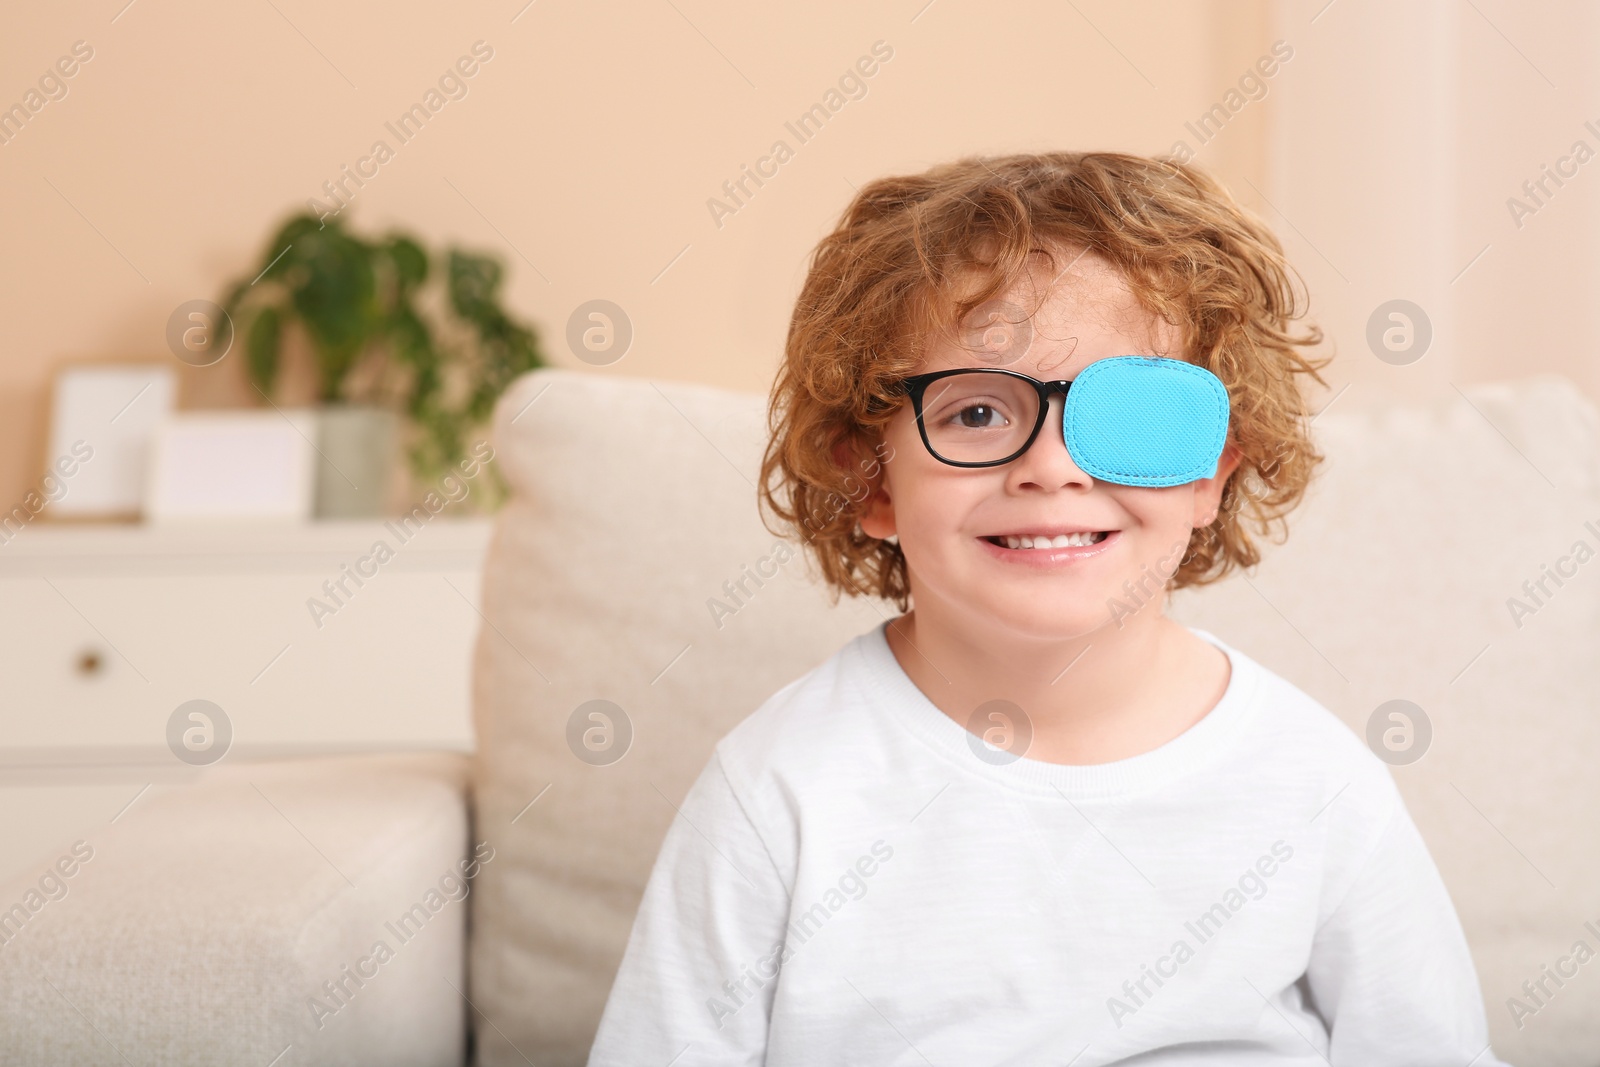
1100,695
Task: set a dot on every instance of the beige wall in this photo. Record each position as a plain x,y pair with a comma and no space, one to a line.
585,152
586,149
1394,150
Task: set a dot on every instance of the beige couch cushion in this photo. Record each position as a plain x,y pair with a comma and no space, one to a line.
1393,584
205,919
634,503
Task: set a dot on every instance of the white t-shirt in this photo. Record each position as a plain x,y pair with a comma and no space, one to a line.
851,881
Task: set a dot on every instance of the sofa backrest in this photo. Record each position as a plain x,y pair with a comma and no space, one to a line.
1403,579
630,567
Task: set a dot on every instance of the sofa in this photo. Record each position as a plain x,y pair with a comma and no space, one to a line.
432,908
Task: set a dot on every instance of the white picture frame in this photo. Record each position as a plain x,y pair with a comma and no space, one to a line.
102,418
233,466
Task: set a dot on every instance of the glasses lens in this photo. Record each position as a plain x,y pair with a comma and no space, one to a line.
978,417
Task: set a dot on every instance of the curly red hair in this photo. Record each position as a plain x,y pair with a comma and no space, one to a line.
897,271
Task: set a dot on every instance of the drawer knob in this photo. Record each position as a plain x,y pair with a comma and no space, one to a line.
90,662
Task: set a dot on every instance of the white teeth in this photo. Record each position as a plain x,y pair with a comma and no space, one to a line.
1058,541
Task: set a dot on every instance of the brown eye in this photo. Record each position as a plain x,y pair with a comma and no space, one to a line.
979,417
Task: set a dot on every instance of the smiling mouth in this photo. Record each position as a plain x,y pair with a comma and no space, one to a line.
1072,540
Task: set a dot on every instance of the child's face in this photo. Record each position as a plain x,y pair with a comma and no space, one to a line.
947,517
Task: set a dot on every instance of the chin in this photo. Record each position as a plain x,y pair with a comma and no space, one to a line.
1043,620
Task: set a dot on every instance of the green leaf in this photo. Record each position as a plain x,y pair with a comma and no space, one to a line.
261,347
410,261
336,299
473,282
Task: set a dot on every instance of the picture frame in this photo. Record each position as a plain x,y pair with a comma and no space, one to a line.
233,466
102,418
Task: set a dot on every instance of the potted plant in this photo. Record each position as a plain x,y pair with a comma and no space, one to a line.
388,336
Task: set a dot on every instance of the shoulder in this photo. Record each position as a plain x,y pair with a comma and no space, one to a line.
1311,753
812,723
1315,777
801,752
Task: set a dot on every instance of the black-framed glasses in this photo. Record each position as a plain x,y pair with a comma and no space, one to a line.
980,416
1133,420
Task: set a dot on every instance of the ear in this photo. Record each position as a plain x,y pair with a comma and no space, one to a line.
1208,491
877,518
877,513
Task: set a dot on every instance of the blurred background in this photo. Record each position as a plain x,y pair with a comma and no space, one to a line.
584,153
271,263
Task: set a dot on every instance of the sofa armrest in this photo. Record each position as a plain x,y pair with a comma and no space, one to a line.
315,904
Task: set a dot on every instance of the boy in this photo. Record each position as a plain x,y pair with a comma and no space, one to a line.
1033,820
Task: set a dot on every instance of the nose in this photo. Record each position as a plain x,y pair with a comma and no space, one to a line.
1047,463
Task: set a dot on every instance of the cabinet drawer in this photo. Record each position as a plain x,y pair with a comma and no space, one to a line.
298,649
